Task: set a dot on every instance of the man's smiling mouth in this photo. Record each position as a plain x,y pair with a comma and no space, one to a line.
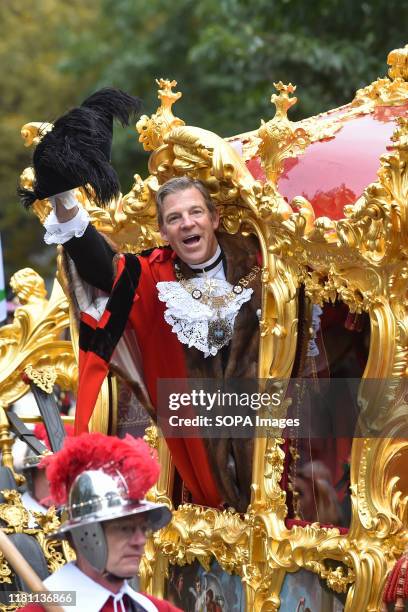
191,240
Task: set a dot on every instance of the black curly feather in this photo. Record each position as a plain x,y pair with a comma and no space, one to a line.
76,152
114,103
27,196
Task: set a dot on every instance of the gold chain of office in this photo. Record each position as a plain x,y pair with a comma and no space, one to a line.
216,301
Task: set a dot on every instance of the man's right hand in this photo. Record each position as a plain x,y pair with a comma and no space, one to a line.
63,214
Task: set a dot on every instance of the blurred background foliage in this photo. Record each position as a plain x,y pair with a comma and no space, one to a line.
225,55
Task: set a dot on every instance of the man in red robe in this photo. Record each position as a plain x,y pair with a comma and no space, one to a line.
145,294
182,311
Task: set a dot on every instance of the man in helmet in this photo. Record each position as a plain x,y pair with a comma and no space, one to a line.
36,497
102,481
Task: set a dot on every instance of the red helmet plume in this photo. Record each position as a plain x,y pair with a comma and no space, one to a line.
131,457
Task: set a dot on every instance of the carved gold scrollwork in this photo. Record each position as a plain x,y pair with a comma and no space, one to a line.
377,223
139,210
280,138
207,157
154,129
391,91
33,338
382,92
44,378
13,512
5,573
196,533
398,63
16,517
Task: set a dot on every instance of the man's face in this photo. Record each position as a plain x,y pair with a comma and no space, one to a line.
188,226
125,538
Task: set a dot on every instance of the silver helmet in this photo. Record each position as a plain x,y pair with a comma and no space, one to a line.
96,497
30,465
32,460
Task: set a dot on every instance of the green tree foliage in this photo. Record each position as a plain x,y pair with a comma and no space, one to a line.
35,87
225,55
225,50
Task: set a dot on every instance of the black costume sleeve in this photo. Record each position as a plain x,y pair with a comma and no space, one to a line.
93,257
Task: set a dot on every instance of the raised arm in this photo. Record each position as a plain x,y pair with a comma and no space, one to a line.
90,252
76,153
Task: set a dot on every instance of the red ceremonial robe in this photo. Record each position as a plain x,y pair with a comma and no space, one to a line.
134,301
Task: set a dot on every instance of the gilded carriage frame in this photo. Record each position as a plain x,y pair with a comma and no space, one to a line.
357,258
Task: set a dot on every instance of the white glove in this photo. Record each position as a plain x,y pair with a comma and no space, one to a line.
66,198
59,233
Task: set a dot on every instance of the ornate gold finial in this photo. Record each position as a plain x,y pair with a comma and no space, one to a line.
398,63
282,101
34,131
154,129
44,377
280,138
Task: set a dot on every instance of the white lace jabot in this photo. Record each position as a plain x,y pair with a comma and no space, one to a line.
191,319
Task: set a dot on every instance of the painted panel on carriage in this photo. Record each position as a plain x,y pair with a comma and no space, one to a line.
193,589
132,417
302,592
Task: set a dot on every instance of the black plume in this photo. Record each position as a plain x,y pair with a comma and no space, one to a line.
26,196
114,103
76,152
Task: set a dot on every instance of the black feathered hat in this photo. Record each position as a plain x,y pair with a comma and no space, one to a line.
76,152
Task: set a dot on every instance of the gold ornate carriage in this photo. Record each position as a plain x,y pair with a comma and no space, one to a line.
327,199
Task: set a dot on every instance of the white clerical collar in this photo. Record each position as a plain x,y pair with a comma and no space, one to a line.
211,267
209,262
